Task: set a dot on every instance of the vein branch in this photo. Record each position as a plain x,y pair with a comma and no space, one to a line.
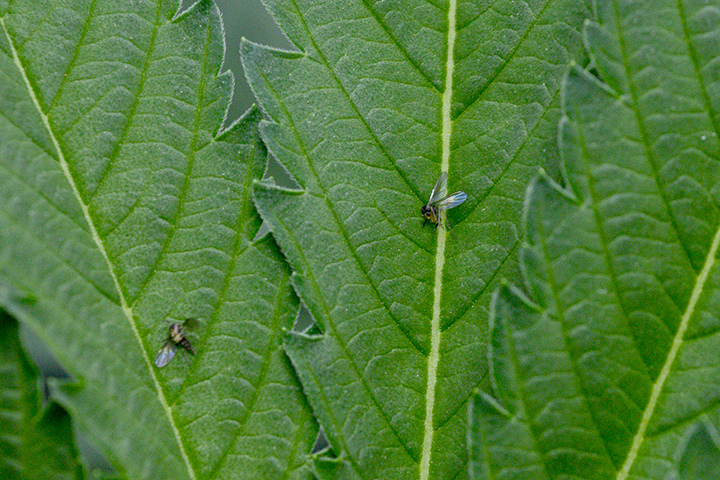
127,311
672,354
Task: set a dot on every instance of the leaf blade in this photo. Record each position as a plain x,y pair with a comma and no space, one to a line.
623,259
154,202
365,129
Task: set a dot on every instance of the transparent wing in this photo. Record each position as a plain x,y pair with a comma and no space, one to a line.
165,354
440,189
190,324
452,201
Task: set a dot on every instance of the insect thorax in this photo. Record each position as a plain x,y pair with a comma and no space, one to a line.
176,332
429,212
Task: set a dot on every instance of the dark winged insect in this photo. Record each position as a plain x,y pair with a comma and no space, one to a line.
440,200
175,337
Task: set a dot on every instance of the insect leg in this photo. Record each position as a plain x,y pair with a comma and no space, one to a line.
451,230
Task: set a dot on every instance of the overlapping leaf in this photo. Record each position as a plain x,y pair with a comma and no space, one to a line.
122,208
380,98
617,351
698,456
36,440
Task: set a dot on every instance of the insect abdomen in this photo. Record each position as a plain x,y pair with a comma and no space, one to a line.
184,342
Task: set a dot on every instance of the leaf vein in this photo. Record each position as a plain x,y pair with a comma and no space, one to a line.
372,134
505,63
173,226
127,311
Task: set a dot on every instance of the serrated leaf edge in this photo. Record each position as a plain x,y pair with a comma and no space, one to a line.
127,311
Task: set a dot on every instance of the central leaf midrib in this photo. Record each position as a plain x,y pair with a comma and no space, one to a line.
127,312
672,354
659,383
435,333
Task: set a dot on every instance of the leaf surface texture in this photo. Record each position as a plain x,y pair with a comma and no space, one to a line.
124,207
379,98
614,354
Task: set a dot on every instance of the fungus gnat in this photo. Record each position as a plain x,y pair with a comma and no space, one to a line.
440,200
175,337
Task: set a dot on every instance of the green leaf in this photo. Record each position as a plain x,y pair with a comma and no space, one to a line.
36,440
380,98
598,373
123,207
698,457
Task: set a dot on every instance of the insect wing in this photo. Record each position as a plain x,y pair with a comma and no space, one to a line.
190,324
452,201
165,354
439,190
